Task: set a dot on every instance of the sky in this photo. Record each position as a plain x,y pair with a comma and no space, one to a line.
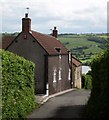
69,16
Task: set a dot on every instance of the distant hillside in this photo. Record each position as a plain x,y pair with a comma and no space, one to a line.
84,46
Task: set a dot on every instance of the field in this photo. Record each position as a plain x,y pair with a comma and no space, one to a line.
84,46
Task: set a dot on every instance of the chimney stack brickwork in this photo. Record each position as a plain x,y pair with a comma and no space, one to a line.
26,24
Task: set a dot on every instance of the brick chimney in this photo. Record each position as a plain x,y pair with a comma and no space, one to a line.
26,23
55,32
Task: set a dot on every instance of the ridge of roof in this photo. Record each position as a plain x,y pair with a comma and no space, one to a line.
49,43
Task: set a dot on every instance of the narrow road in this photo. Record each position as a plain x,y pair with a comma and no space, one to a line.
68,105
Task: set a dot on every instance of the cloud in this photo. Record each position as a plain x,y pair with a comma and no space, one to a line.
67,15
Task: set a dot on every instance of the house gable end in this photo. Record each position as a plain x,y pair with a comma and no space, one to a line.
35,40
49,43
12,41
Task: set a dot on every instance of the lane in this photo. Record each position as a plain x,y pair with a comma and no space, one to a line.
68,105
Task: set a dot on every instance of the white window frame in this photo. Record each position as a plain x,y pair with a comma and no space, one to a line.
60,57
47,89
60,73
69,57
69,74
54,75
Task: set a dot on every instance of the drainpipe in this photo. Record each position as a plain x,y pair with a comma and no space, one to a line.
71,72
46,76
70,67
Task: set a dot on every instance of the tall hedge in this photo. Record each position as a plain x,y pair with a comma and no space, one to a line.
99,101
17,86
87,81
0,90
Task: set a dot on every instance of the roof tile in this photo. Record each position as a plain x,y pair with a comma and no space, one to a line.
75,61
49,43
6,40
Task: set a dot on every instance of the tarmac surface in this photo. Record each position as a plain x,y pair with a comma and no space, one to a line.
67,105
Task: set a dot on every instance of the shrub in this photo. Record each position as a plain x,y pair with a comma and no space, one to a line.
87,81
99,101
17,86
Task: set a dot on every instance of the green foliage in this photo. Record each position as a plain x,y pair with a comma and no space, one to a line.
88,81
17,86
97,39
84,46
0,90
99,101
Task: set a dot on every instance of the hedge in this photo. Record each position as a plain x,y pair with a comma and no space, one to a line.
87,80
0,90
99,101
17,86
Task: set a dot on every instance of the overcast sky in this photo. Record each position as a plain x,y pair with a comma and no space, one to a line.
70,16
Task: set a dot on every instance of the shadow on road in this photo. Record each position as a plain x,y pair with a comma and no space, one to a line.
70,106
75,111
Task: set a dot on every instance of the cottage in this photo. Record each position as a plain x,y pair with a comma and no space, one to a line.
76,72
53,69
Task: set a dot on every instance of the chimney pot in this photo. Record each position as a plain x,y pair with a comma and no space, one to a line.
55,32
54,28
26,15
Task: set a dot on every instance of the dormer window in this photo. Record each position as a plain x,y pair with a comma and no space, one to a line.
58,49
